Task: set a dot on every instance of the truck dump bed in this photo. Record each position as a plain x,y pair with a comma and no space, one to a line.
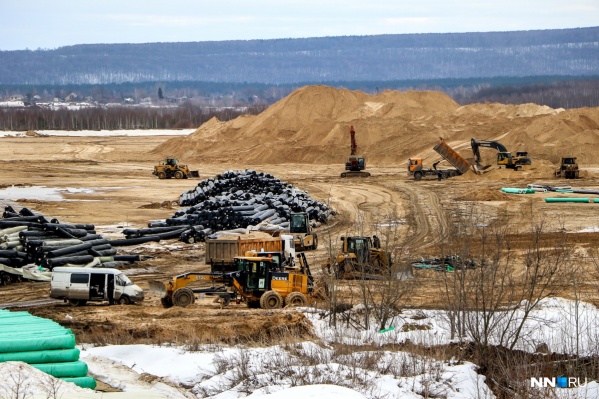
451,156
223,251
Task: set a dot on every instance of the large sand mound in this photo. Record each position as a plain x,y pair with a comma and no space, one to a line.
311,125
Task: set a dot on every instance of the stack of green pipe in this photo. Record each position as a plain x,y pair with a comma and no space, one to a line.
43,344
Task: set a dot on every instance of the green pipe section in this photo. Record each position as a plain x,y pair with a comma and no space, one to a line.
510,190
81,382
66,369
49,356
587,200
65,341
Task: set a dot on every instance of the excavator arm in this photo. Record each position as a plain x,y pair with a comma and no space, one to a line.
476,143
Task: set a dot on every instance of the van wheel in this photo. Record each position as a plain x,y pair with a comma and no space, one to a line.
77,302
124,300
271,300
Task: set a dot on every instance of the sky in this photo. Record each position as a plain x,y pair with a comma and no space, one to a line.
42,24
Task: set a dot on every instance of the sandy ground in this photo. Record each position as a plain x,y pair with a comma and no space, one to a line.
122,192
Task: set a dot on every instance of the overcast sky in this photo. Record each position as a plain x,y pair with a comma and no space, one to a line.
34,24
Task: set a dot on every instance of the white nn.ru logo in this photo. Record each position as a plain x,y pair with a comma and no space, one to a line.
559,382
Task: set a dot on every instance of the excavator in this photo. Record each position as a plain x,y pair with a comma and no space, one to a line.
504,157
360,259
258,280
355,164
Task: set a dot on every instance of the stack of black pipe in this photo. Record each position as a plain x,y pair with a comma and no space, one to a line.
237,200
33,239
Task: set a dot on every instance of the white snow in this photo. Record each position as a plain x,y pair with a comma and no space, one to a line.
321,370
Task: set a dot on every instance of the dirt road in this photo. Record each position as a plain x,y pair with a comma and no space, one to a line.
107,181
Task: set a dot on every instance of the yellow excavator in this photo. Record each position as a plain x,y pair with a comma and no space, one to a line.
259,281
360,258
504,157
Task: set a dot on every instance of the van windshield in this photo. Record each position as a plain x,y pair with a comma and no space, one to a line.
122,280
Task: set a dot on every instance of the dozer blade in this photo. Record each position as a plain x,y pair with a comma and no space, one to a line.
157,288
355,174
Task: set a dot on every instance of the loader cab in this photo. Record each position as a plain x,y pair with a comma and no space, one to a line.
171,162
299,223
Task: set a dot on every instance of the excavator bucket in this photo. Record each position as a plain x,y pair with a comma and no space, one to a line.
157,288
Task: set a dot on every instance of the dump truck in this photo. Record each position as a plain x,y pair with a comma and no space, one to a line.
257,281
221,253
171,167
450,155
418,171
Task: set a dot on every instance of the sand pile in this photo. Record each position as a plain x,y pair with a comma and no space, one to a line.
311,125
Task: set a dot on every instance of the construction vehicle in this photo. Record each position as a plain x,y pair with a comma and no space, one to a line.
568,169
360,259
416,167
301,229
221,253
504,157
258,281
170,167
355,164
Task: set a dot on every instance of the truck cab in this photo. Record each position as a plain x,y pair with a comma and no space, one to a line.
78,285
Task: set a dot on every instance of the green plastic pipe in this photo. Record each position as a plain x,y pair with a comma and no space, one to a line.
569,200
510,190
81,382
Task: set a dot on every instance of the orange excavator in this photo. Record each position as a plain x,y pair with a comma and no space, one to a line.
355,164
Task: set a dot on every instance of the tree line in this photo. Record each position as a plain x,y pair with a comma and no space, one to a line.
117,118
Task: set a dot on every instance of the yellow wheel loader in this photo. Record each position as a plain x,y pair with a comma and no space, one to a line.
170,167
259,281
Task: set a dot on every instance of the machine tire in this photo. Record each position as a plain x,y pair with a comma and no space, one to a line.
183,297
271,300
161,175
296,299
166,302
417,175
124,300
315,242
179,175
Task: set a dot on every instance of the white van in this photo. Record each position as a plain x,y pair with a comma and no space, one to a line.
81,284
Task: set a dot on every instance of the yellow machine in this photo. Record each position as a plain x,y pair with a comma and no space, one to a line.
360,259
504,157
303,236
170,167
259,281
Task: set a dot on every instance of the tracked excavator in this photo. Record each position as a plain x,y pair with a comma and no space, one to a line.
504,157
355,165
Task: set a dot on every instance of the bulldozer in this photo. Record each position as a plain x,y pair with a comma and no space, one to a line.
355,164
360,259
568,169
259,281
171,167
303,236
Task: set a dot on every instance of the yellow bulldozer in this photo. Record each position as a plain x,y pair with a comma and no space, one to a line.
259,281
171,167
360,258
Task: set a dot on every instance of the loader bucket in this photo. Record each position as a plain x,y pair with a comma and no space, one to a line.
194,173
157,288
